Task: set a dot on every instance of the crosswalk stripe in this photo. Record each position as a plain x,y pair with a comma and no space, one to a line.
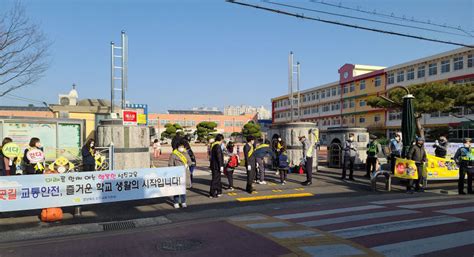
457,210
326,212
395,226
407,200
375,215
426,245
435,204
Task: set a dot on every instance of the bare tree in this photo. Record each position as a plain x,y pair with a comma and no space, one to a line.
23,50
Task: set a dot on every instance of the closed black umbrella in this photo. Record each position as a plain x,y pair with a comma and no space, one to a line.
408,123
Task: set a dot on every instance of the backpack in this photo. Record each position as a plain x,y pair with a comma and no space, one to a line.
233,161
283,161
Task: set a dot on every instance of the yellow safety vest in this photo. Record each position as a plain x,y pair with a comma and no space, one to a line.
250,151
309,152
468,154
279,146
215,143
181,156
261,146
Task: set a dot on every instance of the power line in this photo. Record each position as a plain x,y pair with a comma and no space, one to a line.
365,19
348,25
24,99
392,16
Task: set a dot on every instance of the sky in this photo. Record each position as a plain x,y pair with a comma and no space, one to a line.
185,54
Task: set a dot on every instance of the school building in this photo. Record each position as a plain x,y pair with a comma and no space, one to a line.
343,103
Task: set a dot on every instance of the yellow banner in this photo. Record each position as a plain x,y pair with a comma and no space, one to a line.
141,119
405,169
440,168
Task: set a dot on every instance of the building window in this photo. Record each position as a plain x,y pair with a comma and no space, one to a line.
338,90
458,63
352,120
470,60
400,76
362,103
445,66
377,118
313,96
394,116
362,85
323,94
346,89
345,104
328,92
352,88
352,103
433,69
391,78
334,91
378,81
361,120
411,74
421,71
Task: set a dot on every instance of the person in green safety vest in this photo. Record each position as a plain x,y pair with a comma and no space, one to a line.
373,150
464,157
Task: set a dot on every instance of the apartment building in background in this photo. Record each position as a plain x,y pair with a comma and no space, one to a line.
343,103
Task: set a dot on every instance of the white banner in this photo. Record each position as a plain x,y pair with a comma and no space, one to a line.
80,188
453,147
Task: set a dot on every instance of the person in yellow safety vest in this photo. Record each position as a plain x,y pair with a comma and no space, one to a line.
179,157
307,161
263,149
250,163
373,149
217,167
464,157
33,168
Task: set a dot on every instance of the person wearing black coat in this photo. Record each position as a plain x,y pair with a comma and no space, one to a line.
250,163
417,153
88,153
32,168
217,167
7,166
190,152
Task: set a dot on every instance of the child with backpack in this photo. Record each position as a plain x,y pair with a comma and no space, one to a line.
231,165
283,166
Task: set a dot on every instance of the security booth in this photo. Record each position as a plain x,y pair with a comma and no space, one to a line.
336,138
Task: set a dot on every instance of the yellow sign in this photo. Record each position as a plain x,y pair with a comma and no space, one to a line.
440,168
11,150
405,169
141,119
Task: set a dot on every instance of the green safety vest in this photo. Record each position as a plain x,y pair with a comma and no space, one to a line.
372,148
467,154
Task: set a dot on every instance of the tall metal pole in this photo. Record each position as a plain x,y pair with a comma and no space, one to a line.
298,87
290,83
124,81
112,77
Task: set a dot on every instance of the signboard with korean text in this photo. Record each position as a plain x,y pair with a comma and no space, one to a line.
129,118
440,169
81,188
405,169
142,119
452,148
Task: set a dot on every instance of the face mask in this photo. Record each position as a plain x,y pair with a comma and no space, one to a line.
38,145
181,149
279,139
467,145
92,144
351,138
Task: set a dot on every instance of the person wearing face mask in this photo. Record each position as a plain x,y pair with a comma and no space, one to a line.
7,165
417,153
180,157
250,163
33,168
350,153
307,160
441,147
217,167
373,150
396,147
464,157
88,153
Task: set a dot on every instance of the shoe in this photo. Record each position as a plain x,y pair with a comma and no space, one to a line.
462,193
176,205
211,196
263,183
277,173
307,183
352,179
410,192
342,178
231,189
219,195
184,205
283,183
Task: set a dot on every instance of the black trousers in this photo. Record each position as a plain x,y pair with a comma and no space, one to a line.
88,167
462,173
371,165
415,183
283,173
393,159
348,161
309,169
216,186
250,178
230,176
